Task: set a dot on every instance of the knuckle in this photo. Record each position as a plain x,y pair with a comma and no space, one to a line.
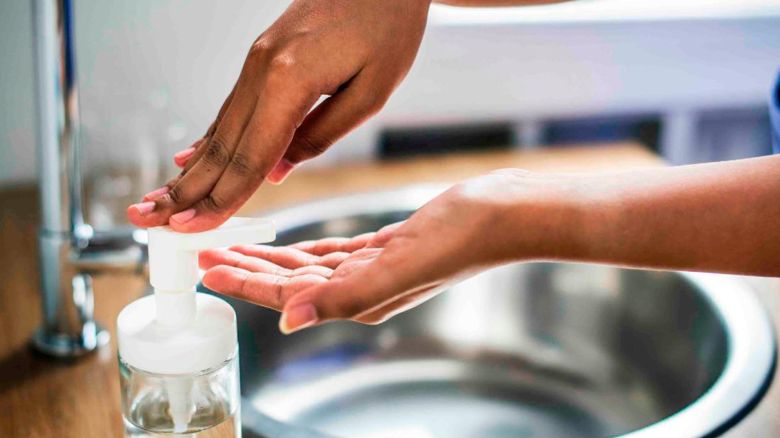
261,47
260,52
283,63
373,103
217,153
311,147
175,195
243,164
212,203
275,63
287,77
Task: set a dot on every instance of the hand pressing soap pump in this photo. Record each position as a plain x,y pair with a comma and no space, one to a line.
178,349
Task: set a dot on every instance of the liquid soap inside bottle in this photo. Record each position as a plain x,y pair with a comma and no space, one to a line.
204,405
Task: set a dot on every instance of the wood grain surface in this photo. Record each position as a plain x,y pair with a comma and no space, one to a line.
41,397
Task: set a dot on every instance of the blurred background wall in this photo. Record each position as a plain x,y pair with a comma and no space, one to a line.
688,78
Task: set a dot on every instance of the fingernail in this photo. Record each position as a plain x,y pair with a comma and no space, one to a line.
144,208
297,318
153,195
183,216
280,172
184,155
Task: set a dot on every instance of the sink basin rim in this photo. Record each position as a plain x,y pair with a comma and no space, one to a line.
750,366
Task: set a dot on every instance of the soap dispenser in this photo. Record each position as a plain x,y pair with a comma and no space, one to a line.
178,349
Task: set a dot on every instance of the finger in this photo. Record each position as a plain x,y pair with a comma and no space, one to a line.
385,234
267,290
214,257
221,112
329,121
181,158
184,159
263,141
196,183
321,246
357,261
340,246
338,300
334,259
210,258
283,256
334,244
366,286
198,152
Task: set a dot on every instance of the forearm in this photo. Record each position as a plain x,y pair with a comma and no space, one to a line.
720,217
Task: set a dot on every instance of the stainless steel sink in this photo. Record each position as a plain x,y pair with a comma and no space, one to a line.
526,350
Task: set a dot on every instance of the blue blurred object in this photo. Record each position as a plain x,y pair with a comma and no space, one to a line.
774,115
644,128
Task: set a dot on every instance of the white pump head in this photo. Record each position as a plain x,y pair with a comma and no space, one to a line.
173,262
172,333
173,256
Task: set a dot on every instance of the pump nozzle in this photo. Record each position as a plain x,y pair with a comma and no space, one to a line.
173,256
173,262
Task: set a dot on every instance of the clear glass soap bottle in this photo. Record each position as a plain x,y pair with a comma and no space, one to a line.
178,349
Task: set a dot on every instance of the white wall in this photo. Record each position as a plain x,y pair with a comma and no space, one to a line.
17,162
153,72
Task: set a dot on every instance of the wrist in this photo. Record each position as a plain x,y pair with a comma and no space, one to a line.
551,217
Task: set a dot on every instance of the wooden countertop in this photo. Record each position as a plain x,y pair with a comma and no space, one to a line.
41,397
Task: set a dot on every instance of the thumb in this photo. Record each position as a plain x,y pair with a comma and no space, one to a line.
365,288
364,295
334,118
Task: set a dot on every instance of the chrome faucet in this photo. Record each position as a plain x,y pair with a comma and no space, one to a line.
70,251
